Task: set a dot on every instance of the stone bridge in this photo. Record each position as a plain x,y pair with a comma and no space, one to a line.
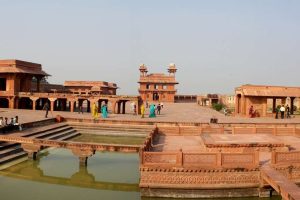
82,150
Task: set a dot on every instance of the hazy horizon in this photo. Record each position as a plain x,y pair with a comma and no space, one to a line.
216,45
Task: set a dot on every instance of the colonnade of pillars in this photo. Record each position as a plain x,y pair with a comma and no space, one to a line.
64,104
243,103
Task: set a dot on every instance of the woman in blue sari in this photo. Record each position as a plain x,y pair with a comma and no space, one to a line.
104,111
152,111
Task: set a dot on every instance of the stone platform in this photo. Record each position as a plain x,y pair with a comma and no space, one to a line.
171,112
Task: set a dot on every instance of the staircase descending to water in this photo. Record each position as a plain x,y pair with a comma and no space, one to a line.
13,151
112,129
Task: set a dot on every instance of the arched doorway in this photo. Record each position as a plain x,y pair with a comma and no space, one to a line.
25,103
155,96
60,104
85,105
41,102
4,103
101,102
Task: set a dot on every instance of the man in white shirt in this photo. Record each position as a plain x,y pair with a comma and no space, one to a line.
282,110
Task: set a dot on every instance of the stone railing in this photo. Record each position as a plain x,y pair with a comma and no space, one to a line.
286,158
189,130
275,130
200,160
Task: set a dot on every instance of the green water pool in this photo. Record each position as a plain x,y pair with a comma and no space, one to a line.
57,176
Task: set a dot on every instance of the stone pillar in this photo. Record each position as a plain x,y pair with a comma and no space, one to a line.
52,101
113,106
242,105
11,102
83,155
264,107
31,149
72,106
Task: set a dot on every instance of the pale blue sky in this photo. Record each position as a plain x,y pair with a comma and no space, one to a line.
216,45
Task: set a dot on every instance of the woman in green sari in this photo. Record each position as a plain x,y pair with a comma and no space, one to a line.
152,111
104,111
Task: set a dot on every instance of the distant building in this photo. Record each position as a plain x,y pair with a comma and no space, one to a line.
258,96
95,87
228,100
208,99
157,87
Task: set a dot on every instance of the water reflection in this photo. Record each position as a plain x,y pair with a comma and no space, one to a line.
33,170
57,175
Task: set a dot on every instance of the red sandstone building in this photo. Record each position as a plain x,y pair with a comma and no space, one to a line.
22,86
260,96
157,87
95,87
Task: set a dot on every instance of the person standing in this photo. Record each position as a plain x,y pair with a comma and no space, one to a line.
104,111
158,109
282,110
80,110
95,111
46,107
143,111
152,111
147,105
287,109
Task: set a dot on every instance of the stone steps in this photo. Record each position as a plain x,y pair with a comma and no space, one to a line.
61,134
69,136
125,129
111,126
52,132
12,157
10,150
113,133
5,145
37,131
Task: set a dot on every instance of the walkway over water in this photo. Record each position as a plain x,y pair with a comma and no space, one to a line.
285,187
81,149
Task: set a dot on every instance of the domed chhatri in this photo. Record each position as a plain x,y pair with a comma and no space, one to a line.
172,69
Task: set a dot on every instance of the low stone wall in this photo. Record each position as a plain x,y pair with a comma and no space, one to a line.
190,160
38,123
194,175
184,183
275,130
286,158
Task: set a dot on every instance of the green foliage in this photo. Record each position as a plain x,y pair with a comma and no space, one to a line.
218,106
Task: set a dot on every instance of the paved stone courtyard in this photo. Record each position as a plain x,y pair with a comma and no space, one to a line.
172,112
